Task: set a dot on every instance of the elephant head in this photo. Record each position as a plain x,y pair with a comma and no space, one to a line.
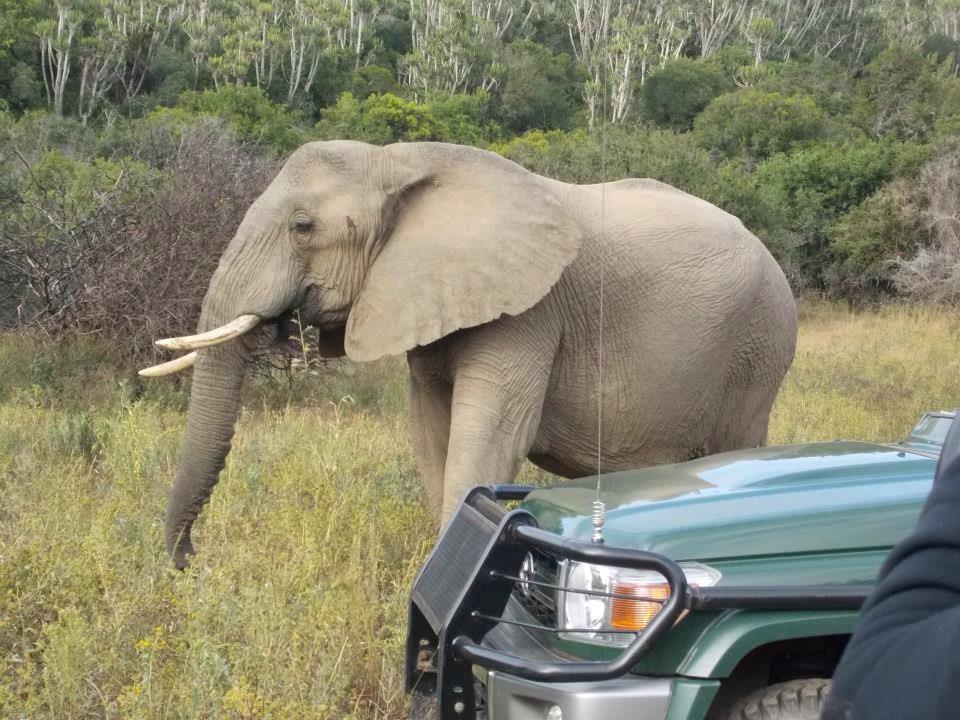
383,249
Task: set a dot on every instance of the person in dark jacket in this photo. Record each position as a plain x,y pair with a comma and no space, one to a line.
903,661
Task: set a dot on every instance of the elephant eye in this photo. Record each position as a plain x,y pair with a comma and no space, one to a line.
303,225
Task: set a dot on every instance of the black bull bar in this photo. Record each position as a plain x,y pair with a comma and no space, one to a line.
464,585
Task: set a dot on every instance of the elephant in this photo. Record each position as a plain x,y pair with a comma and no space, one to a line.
585,327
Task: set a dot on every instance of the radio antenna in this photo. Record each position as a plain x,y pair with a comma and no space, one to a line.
599,509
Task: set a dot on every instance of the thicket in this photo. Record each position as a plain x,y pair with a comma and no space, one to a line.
134,134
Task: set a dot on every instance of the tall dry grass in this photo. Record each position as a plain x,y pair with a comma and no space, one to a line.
295,606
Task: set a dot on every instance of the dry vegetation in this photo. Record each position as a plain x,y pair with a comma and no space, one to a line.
295,607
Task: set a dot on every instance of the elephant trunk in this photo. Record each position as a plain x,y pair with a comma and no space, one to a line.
255,277
214,407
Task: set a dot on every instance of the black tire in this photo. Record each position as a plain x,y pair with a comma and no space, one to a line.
794,700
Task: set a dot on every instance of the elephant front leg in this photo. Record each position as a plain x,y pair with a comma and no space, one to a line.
493,424
429,431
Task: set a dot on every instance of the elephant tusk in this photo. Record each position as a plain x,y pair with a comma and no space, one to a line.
232,329
171,367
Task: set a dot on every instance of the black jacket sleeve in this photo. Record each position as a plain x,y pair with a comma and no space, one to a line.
903,661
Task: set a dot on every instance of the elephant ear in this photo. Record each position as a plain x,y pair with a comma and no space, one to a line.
468,236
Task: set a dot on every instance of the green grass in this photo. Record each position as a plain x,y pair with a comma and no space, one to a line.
295,606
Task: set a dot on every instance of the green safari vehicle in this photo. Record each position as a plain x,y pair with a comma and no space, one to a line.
724,588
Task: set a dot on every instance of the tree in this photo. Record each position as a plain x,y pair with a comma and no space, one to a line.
904,93
715,21
618,43
379,119
56,51
101,58
141,27
674,95
305,45
756,124
760,32
539,88
454,43
816,185
249,113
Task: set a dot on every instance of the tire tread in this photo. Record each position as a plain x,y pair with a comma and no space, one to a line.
793,700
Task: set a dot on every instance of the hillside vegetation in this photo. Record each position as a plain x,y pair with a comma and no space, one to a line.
134,133
295,605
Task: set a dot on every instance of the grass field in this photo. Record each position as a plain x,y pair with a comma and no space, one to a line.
295,606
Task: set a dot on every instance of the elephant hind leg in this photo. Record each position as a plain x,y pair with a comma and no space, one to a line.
745,413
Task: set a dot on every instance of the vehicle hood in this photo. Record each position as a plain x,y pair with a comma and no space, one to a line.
765,501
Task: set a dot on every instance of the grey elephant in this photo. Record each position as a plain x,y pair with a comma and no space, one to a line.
491,280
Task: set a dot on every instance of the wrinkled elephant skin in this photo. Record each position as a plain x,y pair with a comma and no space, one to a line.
489,278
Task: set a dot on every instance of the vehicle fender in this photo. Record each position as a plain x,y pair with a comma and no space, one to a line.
691,699
735,633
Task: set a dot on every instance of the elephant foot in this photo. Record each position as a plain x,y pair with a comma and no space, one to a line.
182,552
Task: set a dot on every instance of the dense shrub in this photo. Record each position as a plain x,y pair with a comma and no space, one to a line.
868,241
383,119
933,273
814,186
249,113
675,94
828,82
756,123
904,93
539,88
573,156
121,248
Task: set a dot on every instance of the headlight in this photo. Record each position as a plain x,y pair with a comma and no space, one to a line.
635,604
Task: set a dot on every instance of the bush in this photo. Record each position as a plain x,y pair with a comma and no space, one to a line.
539,88
463,118
674,95
933,274
250,114
868,240
372,79
828,82
756,123
815,186
735,190
383,119
379,119
904,93
124,249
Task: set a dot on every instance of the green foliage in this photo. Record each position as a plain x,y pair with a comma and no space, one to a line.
168,77
756,123
887,225
379,119
731,59
383,119
828,82
904,93
464,117
674,95
539,89
372,80
249,113
738,192
24,89
814,186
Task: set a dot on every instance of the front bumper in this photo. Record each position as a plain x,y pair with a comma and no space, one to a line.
459,607
627,698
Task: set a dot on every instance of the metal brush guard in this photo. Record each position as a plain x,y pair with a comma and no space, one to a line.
463,587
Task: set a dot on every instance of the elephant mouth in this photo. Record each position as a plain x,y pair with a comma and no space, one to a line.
288,325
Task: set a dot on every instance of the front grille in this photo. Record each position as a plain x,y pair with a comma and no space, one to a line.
540,601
